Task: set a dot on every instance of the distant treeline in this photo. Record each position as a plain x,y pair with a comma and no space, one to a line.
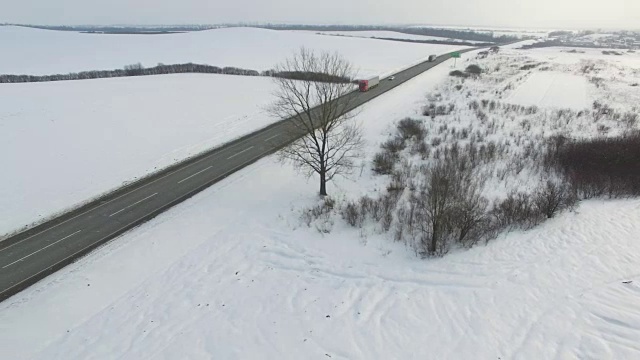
439,42
551,43
122,29
131,70
308,76
139,70
469,35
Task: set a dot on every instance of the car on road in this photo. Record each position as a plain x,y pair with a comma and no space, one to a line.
432,58
391,78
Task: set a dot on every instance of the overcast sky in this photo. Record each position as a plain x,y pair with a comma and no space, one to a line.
505,13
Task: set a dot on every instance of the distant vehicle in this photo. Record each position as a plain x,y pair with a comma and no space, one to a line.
391,78
432,58
366,85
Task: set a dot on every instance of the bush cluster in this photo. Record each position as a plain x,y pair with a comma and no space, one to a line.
599,167
407,131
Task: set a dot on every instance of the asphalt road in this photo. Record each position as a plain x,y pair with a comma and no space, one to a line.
32,255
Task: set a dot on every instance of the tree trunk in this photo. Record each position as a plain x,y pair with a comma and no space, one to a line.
434,239
323,183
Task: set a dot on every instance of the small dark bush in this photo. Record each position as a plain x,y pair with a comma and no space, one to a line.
458,73
383,163
411,128
352,215
394,145
473,69
528,66
420,148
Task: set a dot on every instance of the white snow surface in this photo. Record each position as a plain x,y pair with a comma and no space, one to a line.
497,31
571,56
231,274
36,52
70,141
383,34
552,89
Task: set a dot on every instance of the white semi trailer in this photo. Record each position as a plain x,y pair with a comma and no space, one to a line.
367,84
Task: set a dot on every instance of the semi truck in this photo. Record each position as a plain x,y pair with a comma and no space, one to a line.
367,84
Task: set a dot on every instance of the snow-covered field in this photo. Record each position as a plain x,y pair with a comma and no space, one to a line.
383,34
498,31
552,89
67,142
613,78
571,56
37,52
89,137
233,273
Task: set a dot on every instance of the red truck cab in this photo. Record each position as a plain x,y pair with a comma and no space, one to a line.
363,85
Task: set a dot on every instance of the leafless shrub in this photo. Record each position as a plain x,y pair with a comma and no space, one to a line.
630,119
383,163
553,197
603,129
352,215
429,110
448,206
412,129
516,211
320,211
387,205
394,145
421,148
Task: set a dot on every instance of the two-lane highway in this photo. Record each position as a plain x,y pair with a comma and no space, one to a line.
29,256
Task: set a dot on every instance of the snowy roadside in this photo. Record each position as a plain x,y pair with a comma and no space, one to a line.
232,273
123,266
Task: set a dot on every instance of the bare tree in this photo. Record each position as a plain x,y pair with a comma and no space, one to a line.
319,113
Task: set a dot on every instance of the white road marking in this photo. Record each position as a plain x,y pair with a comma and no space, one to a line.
274,136
37,251
238,153
201,171
135,203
